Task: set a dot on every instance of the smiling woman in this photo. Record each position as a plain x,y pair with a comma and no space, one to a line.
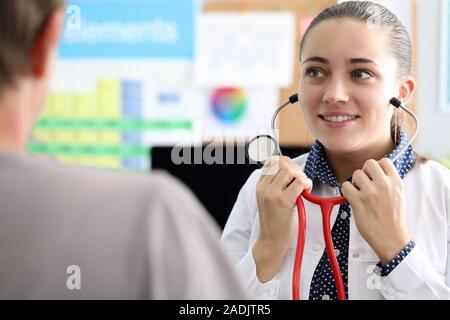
349,89
355,57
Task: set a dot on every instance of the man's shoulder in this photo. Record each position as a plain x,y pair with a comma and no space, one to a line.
47,176
113,178
155,190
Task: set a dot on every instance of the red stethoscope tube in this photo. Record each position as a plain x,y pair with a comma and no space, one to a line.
326,206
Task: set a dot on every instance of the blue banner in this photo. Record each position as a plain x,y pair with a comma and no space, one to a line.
124,29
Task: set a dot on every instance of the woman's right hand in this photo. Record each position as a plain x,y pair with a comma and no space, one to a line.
280,184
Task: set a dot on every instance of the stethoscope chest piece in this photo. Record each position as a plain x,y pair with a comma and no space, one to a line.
261,148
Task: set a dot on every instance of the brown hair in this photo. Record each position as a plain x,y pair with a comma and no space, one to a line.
380,17
21,21
377,16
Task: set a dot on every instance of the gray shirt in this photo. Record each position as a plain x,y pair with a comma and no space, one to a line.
75,233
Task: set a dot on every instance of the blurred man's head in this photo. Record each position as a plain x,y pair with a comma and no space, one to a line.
29,34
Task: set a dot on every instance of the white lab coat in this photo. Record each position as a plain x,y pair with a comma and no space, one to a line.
423,274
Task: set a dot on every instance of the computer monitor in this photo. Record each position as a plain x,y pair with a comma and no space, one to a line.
215,185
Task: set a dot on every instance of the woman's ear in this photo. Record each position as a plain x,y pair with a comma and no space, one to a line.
406,88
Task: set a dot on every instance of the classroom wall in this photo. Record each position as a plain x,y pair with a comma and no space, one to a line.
143,102
434,138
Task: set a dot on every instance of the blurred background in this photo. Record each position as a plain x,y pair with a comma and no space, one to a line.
136,78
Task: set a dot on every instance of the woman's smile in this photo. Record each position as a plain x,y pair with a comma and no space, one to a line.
338,119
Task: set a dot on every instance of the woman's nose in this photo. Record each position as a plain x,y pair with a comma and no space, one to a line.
335,91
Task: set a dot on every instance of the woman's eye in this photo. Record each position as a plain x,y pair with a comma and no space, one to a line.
313,73
362,75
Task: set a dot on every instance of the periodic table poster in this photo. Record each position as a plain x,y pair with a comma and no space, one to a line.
122,83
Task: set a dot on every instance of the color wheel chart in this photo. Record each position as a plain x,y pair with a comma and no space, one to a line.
229,105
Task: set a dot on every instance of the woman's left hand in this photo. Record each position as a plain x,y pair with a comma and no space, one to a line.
378,206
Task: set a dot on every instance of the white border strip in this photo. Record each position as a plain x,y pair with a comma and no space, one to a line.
444,105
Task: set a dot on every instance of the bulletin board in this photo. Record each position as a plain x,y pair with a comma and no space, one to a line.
293,130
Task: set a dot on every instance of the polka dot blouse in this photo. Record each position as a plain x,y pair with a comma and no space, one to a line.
318,170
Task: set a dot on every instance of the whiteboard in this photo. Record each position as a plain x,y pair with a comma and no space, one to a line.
244,49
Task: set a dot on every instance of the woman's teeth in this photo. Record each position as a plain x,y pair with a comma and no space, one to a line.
339,118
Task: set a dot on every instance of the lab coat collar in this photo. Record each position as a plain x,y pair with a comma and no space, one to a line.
407,160
317,166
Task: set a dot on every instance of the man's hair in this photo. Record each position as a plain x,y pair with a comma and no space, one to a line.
21,21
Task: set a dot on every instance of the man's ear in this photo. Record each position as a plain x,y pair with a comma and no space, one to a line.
406,89
46,43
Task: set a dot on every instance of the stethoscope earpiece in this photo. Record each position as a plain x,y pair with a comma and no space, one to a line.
395,102
294,98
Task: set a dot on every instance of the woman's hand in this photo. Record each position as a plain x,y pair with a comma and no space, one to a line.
378,206
280,184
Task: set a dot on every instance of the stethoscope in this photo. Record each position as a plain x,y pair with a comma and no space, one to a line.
260,148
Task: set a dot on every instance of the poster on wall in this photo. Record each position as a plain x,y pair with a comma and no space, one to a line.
122,83
245,49
236,113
